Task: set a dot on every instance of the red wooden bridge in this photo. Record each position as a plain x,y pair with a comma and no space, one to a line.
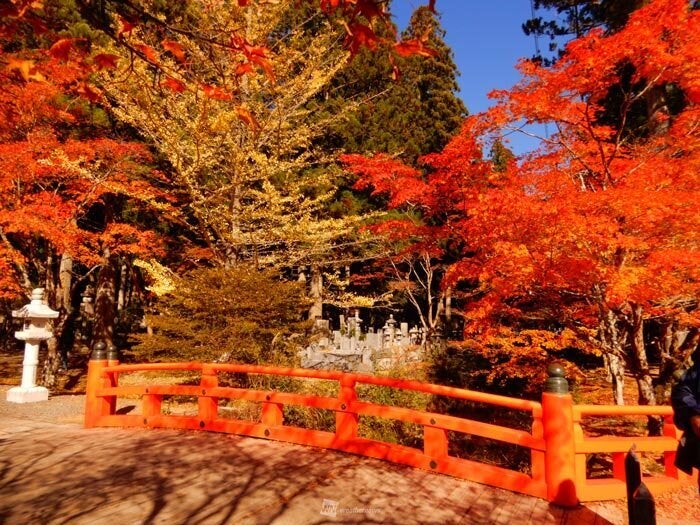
556,439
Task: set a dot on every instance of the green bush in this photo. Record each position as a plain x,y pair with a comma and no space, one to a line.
241,315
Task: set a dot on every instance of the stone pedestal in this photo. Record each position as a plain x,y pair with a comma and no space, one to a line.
30,394
28,391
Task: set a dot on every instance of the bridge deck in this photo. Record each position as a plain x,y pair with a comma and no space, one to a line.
54,471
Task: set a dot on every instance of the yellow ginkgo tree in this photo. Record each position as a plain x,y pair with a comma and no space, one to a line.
242,146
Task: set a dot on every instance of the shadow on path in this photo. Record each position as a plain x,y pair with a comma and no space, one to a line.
61,473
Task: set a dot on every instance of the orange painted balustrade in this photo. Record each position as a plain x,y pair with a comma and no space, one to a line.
558,447
614,487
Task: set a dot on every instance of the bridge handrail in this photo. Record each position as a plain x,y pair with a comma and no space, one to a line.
622,410
405,384
556,440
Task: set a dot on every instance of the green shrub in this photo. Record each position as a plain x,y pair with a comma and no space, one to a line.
241,315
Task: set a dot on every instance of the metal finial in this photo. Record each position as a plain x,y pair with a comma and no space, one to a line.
556,382
98,351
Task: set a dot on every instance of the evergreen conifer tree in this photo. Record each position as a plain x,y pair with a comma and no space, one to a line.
407,112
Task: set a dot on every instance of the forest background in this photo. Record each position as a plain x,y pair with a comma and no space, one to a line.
216,175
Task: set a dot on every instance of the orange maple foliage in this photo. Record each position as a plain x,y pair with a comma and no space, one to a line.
600,224
56,184
140,32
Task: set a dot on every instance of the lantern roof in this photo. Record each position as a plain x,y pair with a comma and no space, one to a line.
36,308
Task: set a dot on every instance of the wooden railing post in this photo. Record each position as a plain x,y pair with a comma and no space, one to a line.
346,422
435,443
113,377
618,470
640,503
558,426
272,413
151,405
208,407
537,457
669,429
96,406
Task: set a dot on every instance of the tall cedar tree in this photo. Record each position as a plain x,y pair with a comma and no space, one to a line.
575,18
408,111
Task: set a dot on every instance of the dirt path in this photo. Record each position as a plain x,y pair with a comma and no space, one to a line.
40,434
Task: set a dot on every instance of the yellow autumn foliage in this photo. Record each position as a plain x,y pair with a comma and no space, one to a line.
242,148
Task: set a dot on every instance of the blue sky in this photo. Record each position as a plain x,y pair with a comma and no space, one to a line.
487,41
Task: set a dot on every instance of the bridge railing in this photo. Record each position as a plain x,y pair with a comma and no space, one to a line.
556,442
618,446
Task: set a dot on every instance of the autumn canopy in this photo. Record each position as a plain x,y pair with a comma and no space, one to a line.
196,136
598,231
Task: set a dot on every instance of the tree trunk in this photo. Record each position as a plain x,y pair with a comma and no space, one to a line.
105,303
612,352
639,366
65,283
675,347
121,292
664,344
448,305
685,343
52,363
128,286
617,372
639,362
658,113
316,293
49,279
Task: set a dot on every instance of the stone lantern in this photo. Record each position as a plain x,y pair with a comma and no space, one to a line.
36,315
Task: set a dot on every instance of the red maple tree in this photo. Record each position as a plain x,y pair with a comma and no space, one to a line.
596,232
65,183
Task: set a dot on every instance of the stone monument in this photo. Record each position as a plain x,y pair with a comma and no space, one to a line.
36,315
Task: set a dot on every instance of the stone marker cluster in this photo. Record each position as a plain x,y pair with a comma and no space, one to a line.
351,349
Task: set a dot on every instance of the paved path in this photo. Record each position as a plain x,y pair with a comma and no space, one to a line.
58,472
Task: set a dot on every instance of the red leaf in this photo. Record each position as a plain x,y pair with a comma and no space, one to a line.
105,61
328,6
148,52
265,65
414,47
217,93
61,48
89,93
359,36
244,68
255,51
176,49
431,6
248,118
370,9
174,85
127,27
